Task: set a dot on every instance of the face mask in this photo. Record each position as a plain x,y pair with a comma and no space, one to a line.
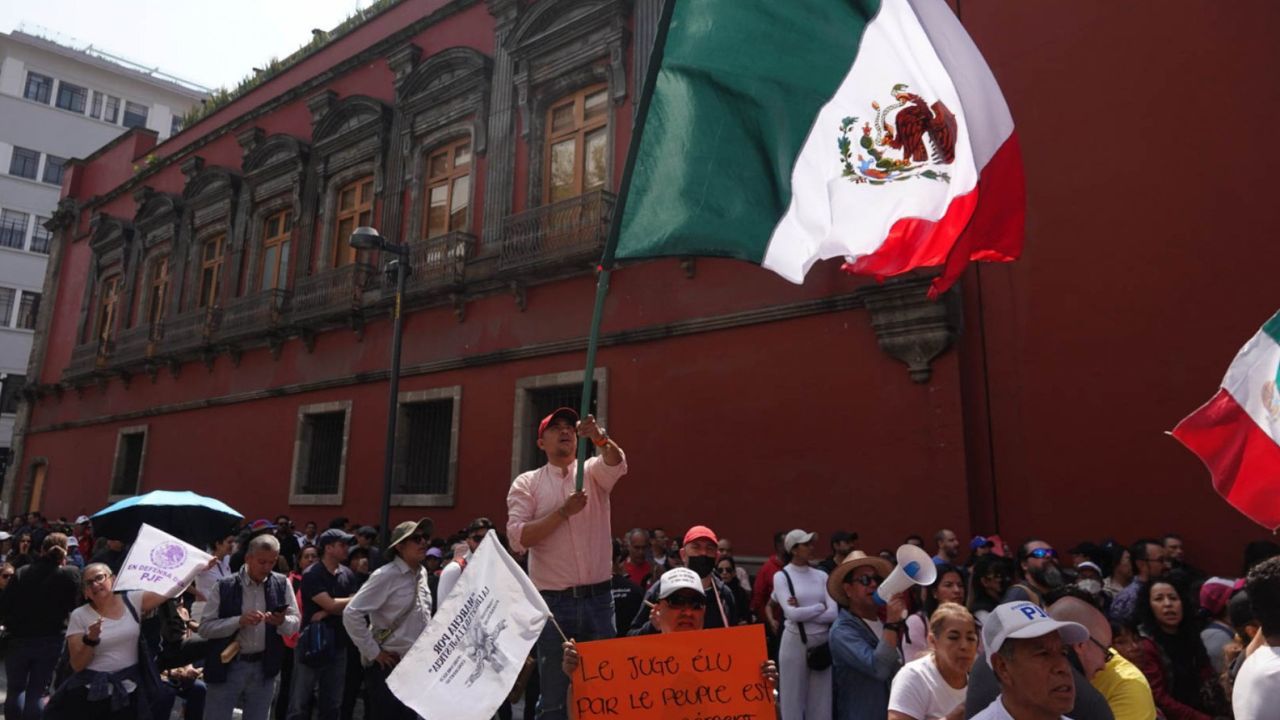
702,564
1091,586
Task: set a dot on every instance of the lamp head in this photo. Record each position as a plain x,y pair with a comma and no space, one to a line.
366,238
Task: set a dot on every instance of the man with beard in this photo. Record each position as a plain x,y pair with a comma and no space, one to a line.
699,555
1040,574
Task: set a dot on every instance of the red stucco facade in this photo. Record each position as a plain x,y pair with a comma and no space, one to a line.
1147,264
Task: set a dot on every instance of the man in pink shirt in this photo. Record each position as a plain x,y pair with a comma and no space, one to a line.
570,545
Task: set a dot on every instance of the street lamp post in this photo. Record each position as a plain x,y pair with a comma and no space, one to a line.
367,238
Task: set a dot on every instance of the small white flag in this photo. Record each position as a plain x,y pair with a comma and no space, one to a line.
467,660
160,563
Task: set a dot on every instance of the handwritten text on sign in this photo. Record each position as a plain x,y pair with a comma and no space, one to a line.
703,675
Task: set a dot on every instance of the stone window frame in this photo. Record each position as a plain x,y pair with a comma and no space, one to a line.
110,240
117,459
443,99
211,199
446,499
521,426
345,149
158,225
274,168
295,480
560,47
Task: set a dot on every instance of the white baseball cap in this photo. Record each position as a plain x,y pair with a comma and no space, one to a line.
677,579
797,536
1021,620
82,519
4,536
72,541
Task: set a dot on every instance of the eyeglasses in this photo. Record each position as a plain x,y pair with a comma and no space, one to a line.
694,602
6,576
1042,553
725,571
1107,653
866,580
96,579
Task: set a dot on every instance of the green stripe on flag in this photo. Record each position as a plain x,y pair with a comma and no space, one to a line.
739,86
1272,328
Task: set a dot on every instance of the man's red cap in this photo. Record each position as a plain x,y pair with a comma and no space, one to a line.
569,413
700,531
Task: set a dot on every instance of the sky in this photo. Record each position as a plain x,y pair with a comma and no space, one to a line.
210,43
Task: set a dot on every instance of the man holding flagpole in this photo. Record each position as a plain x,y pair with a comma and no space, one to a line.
568,537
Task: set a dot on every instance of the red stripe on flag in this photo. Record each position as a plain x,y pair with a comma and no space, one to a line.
1243,460
991,230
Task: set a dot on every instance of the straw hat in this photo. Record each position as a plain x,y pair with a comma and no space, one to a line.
856,559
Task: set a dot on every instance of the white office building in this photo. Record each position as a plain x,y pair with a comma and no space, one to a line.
56,103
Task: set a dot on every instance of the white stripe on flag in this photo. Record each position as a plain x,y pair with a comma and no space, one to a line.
1247,380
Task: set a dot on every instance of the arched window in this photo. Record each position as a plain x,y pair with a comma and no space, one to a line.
210,270
577,141
276,231
448,195
354,208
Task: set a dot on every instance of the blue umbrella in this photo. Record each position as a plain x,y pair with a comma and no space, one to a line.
181,513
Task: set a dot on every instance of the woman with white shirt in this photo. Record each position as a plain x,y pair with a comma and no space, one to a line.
933,685
801,592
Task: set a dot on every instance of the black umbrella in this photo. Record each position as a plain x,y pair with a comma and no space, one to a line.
194,518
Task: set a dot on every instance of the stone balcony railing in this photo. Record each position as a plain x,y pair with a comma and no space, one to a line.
259,314
565,233
436,264
188,331
329,294
134,345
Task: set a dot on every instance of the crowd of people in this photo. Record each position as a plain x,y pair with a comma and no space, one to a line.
300,623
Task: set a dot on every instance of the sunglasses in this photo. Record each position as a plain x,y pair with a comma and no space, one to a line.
1107,653
866,580
6,576
725,571
1042,553
417,537
679,602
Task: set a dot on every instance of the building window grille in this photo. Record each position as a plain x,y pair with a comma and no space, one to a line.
111,111
72,97
448,193
135,115
54,167
9,387
131,447
13,228
323,440
40,236
28,308
424,454
159,291
276,231
355,209
39,87
24,163
210,271
7,296
576,149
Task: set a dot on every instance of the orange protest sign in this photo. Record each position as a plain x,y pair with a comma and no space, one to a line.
702,675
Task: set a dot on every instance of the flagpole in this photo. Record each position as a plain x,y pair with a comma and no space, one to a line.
611,243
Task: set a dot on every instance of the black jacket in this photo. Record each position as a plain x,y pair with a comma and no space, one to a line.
40,598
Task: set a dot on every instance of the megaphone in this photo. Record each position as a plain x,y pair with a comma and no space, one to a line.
915,567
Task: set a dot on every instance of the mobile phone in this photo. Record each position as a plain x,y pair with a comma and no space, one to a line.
280,609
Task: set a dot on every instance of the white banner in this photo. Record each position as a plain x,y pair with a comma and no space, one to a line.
160,563
467,661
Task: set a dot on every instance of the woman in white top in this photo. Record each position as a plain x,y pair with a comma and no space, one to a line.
933,685
102,641
947,587
801,592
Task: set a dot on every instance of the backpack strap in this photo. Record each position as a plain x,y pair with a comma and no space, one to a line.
132,610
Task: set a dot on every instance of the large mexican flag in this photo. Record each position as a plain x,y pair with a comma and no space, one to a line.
783,132
1236,433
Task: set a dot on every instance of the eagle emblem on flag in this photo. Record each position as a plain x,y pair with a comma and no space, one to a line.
923,136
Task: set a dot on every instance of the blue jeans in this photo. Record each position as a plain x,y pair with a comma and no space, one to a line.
582,619
330,677
28,668
192,695
243,678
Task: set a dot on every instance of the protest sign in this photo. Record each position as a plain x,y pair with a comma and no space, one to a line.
467,660
703,675
160,563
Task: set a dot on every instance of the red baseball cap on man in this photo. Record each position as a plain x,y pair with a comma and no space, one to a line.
567,413
700,532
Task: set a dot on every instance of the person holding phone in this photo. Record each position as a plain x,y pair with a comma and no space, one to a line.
246,619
